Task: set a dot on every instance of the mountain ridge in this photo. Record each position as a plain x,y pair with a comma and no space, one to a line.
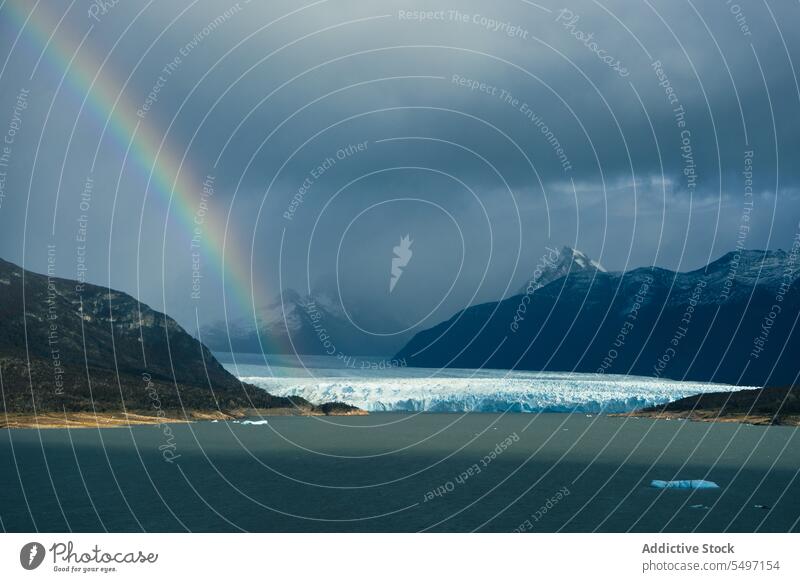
77,347
552,323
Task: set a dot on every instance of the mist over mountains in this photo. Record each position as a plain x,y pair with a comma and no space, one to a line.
312,324
318,323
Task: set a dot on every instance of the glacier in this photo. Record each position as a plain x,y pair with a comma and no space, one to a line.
459,390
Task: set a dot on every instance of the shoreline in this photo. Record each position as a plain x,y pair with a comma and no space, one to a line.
714,416
769,406
120,419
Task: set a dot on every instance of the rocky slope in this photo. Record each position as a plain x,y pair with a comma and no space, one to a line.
71,347
768,406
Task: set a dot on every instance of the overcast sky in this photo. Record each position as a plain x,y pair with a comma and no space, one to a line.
488,131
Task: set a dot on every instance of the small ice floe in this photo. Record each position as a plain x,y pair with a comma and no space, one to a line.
759,506
253,422
699,506
684,484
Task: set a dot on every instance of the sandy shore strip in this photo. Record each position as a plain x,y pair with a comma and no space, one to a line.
121,419
98,420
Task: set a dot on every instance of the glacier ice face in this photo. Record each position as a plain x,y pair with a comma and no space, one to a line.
453,390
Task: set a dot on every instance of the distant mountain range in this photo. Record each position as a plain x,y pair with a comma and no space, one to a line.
733,321
67,346
313,324
316,324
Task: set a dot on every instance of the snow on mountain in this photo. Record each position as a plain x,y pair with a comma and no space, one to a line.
556,264
738,273
285,313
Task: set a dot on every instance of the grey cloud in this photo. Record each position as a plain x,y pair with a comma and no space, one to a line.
572,100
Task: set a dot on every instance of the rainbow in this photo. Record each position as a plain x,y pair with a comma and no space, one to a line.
176,187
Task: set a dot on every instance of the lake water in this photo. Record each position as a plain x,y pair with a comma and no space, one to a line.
402,472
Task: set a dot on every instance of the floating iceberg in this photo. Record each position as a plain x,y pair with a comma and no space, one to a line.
684,484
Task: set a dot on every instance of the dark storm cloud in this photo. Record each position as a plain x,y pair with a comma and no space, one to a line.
509,104
580,98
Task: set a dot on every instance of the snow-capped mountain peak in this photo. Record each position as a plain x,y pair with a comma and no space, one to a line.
580,259
555,264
